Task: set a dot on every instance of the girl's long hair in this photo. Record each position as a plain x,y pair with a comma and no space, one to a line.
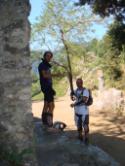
47,52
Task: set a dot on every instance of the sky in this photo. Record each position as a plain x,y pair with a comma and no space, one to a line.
37,6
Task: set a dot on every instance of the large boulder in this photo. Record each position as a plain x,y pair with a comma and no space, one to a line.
63,149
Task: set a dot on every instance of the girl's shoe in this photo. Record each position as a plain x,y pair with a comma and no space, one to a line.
86,141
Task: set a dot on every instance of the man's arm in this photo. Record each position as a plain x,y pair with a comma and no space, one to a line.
58,74
46,74
85,99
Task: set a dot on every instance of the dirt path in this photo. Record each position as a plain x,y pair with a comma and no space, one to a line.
106,130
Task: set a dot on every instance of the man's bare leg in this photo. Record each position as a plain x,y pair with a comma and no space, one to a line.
86,130
51,107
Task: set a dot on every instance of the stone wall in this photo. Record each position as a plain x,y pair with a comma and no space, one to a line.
15,79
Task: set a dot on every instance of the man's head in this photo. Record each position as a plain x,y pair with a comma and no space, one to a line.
48,56
79,82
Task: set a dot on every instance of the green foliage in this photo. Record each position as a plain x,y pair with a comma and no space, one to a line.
35,56
37,97
61,86
117,29
117,34
122,57
34,77
64,26
108,58
12,156
107,7
61,20
36,88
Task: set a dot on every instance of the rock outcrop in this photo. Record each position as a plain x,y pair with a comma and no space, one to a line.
15,78
63,149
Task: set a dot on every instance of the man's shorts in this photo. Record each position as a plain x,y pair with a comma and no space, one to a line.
49,94
81,120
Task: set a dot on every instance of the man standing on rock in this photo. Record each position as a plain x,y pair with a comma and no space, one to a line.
47,88
81,96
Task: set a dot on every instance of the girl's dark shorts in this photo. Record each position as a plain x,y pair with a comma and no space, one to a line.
49,94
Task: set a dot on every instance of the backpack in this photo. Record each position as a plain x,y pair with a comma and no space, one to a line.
90,99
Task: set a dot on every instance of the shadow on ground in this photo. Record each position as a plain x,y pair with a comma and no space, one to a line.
112,145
